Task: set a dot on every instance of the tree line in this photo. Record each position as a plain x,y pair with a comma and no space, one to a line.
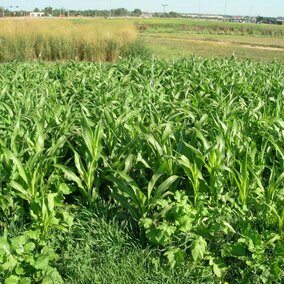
119,12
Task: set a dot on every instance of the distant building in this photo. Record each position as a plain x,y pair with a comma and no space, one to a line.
36,14
273,21
147,14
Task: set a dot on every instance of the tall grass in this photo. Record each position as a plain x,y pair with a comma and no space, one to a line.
48,39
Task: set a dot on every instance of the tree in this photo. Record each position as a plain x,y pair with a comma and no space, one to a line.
137,12
173,14
119,12
48,10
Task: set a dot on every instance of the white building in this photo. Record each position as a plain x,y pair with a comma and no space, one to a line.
36,14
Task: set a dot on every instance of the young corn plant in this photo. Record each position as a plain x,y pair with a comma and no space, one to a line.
241,179
34,183
86,160
138,200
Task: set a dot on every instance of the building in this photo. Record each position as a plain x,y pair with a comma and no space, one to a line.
36,14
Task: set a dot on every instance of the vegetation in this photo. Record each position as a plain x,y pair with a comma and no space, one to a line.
109,39
51,40
178,48
211,27
173,170
53,12
175,38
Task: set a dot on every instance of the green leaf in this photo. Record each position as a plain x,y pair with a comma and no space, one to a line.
19,270
68,219
79,165
146,222
25,281
10,264
52,276
160,234
33,234
218,266
155,177
4,245
71,176
64,188
17,163
20,190
217,270
129,187
198,248
50,201
17,243
134,212
175,257
128,163
41,262
165,186
234,250
13,279
30,246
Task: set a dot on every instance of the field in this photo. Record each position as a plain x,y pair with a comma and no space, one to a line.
187,156
172,38
141,169
110,39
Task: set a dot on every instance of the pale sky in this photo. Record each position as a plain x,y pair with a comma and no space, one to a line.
234,7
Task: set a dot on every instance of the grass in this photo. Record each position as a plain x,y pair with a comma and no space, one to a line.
210,27
263,41
107,244
59,39
176,48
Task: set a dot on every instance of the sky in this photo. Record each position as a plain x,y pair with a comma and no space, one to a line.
233,7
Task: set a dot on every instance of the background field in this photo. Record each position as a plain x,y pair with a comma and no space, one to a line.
108,39
182,37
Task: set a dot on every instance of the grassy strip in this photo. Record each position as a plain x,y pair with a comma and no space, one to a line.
209,27
265,41
175,48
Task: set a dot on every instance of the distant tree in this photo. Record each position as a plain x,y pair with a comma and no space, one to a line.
173,14
120,12
36,10
157,15
136,13
48,10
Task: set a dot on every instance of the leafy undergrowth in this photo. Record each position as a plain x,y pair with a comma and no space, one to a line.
142,171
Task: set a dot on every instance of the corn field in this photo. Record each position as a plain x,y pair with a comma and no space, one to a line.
192,151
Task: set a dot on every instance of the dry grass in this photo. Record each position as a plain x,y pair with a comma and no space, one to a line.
49,39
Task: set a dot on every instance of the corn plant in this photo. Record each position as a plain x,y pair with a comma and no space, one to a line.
87,179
